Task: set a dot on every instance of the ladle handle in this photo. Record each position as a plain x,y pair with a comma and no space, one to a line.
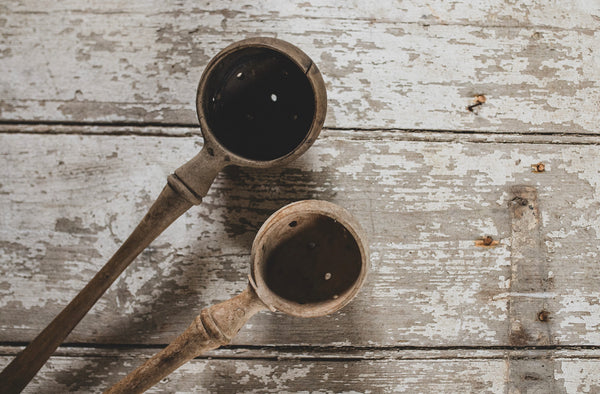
185,188
213,327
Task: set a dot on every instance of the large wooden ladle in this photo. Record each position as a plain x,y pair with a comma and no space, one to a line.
261,102
309,259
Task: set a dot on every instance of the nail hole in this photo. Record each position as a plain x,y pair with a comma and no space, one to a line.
328,276
295,116
273,97
293,223
240,75
312,245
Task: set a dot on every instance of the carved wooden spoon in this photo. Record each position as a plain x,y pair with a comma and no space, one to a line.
261,102
309,259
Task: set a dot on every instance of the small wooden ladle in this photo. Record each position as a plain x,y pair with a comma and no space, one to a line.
309,259
261,102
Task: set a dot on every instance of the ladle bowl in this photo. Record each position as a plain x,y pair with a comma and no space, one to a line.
261,102
309,259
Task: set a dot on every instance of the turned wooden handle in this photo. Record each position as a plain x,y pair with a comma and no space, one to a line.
213,327
185,188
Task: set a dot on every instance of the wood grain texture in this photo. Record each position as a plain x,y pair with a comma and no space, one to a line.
246,371
97,107
276,376
424,204
414,66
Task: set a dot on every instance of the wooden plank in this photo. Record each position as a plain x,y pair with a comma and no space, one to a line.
276,376
531,286
69,200
531,294
105,63
569,14
437,373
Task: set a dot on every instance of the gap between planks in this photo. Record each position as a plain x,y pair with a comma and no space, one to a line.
186,131
330,353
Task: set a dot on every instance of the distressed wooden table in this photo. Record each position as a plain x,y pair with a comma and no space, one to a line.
97,107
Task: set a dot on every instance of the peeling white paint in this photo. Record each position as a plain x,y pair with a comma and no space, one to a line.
579,312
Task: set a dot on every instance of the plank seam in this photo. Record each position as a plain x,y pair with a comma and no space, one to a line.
299,348
473,136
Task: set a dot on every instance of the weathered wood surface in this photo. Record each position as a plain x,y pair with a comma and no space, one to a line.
97,108
269,370
424,204
398,65
276,376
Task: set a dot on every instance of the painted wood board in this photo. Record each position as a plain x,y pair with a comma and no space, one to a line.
95,374
413,371
69,200
536,63
567,14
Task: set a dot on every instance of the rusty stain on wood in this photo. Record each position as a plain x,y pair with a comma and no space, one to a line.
539,167
543,315
480,99
487,242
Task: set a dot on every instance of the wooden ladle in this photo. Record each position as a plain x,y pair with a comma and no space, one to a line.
309,259
261,102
